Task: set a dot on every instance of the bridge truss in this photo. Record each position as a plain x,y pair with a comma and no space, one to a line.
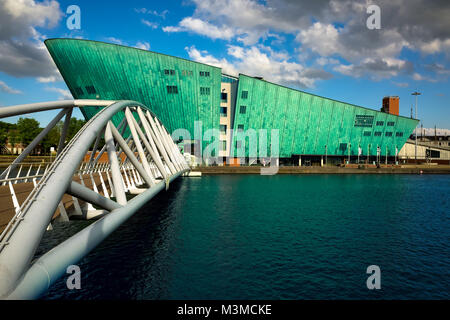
142,159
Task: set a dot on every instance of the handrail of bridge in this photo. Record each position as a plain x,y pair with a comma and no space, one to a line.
148,151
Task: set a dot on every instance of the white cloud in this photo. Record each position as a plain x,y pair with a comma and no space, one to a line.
142,45
206,58
116,41
330,29
150,24
374,68
5,88
161,14
418,77
49,79
64,94
269,65
401,84
203,28
22,52
322,61
321,38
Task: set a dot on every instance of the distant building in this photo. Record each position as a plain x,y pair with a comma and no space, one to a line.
391,105
433,145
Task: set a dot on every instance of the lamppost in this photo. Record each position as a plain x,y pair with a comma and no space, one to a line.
386,155
415,93
349,148
326,155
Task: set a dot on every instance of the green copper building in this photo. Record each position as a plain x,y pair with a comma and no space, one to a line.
181,92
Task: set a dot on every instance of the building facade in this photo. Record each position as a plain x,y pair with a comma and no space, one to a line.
181,92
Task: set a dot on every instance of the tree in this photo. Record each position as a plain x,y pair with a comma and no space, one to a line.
74,126
51,140
28,129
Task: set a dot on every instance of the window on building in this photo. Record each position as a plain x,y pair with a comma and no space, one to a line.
240,127
388,134
391,124
205,91
242,109
377,134
399,134
169,72
223,128
363,121
224,96
244,94
186,72
343,146
380,123
223,145
367,133
79,91
172,89
204,73
91,90
432,153
238,144
223,111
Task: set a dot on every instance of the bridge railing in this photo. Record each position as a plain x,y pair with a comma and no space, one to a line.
139,152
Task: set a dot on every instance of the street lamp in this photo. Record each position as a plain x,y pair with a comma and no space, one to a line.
415,93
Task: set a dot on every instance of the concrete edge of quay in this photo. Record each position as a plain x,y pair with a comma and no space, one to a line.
404,169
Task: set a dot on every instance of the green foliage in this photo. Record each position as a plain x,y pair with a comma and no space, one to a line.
28,129
74,126
51,140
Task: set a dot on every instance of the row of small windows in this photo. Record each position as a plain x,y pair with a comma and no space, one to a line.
172,89
390,123
363,121
205,91
379,133
171,72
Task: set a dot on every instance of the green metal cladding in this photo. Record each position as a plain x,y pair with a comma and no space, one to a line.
307,123
180,92
105,71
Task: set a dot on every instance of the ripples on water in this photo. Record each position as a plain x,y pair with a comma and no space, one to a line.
275,237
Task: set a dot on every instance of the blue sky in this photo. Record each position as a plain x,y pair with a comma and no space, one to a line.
322,47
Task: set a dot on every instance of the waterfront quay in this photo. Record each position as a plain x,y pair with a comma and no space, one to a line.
346,169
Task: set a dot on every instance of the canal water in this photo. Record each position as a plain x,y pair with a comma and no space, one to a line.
275,237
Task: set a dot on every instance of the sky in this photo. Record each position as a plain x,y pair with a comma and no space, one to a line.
324,47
